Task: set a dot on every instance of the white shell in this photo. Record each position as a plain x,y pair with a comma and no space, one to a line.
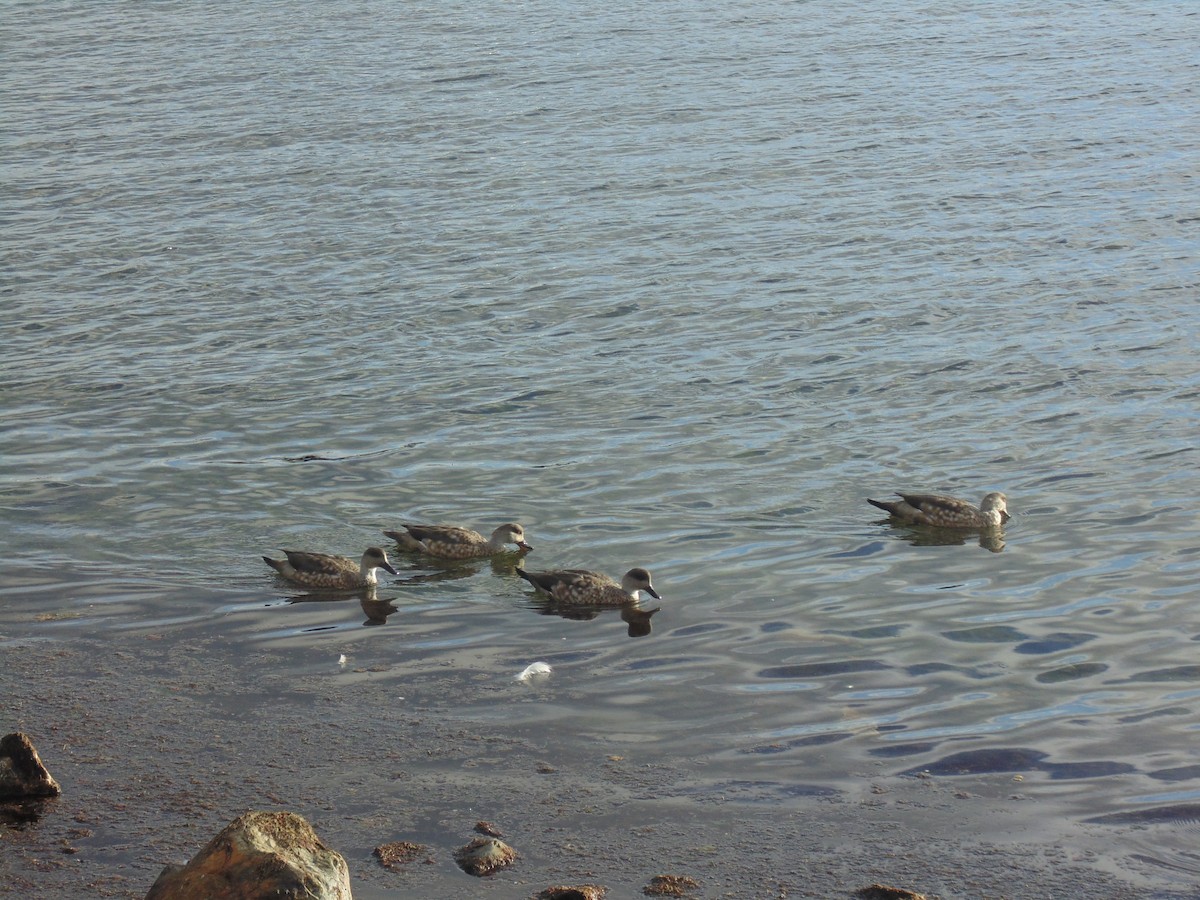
537,668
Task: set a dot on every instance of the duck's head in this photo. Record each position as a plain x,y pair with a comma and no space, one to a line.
998,502
638,580
511,533
375,558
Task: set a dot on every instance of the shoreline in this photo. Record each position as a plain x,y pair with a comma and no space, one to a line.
160,740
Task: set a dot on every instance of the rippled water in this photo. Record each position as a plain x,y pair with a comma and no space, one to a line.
672,286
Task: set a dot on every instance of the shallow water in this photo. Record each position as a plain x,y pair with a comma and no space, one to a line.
673,288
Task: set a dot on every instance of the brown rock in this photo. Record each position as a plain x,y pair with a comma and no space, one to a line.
572,892
398,854
884,892
670,886
483,856
257,856
21,771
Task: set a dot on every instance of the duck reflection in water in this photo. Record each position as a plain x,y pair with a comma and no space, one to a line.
632,613
375,608
925,536
378,609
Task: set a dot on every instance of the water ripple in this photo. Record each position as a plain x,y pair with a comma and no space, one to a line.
680,295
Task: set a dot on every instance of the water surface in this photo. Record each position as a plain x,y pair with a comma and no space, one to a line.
673,287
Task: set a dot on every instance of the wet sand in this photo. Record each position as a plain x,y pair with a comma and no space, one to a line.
159,740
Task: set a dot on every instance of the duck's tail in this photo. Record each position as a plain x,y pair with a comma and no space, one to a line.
406,540
543,581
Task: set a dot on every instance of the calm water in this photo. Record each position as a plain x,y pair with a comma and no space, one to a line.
672,286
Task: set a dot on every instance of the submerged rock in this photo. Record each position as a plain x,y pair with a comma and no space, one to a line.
398,854
21,771
483,856
886,892
573,892
259,855
670,886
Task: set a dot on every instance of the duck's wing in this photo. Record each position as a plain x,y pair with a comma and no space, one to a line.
320,563
584,576
446,534
565,578
927,509
932,504
944,511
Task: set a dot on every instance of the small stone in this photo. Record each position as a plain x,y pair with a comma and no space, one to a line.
670,886
483,856
21,771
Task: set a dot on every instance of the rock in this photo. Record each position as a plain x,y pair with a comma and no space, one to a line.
572,892
885,892
398,854
259,855
670,886
483,856
21,771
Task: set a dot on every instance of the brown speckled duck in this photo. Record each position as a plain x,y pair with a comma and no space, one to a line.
947,512
452,542
321,570
582,588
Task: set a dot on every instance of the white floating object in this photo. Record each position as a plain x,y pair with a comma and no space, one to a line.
537,668
342,660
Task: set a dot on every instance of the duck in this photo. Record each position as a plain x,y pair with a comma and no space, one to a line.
579,587
942,511
453,542
323,570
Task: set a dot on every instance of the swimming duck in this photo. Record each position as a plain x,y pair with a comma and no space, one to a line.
582,588
452,542
321,570
947,512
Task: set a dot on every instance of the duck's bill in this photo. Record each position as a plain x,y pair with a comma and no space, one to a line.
523,547
653,593
390,568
